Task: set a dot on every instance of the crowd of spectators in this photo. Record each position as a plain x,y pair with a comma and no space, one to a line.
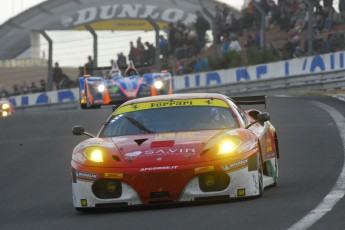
24,88
240,31
233,31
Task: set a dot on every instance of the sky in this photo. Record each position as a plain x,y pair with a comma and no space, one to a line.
72,48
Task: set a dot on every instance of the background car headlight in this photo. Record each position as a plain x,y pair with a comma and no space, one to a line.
228,146
158,84
94,154
5,106
101,88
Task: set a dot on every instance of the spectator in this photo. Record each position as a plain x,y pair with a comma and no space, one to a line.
16,90
3,92
42,88
218,25
251,43
33,88
24,88
131,55
298,52
235,45
231,24
150,53
139,52
329,44
57,75
163,45
201,26
121,60
342,10
89,65
225,45
201,64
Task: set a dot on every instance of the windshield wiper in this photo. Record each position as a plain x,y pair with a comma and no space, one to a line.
138,125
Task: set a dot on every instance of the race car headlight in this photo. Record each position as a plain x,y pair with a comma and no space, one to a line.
229,146
101,88
158,84
4,113
5,106
94,154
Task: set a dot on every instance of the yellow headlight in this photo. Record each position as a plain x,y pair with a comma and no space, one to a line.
94,154
229,146
5,106
4,113
158,84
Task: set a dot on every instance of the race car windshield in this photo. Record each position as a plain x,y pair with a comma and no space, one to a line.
173,119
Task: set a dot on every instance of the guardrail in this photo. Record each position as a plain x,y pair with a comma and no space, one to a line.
281,85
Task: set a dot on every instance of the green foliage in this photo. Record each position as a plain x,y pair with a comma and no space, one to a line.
228,60
256,56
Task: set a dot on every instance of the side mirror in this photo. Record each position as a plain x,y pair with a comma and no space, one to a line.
78,130
262,117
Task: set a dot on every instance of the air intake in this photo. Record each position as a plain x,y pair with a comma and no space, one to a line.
162,144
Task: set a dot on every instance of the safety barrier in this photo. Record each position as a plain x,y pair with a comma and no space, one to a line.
318,72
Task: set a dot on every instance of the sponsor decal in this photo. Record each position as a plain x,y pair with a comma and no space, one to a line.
235,165
86,175
83,202
133,154
241,192
204,169
167,104
114,175
169,151
136,12
158,168
268,145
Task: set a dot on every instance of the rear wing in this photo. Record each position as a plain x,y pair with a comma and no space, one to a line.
250,100
121,67
88,70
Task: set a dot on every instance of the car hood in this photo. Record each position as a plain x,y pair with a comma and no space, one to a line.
163,148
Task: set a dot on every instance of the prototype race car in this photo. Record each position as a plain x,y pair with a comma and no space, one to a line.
6,108
96,90
176,148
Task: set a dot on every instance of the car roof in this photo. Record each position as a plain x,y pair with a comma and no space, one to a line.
181,96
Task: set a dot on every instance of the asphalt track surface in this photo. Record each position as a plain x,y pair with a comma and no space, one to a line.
35,190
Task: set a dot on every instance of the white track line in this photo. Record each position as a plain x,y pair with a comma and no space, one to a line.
338,191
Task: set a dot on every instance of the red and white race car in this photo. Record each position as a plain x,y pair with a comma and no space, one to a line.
176,148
